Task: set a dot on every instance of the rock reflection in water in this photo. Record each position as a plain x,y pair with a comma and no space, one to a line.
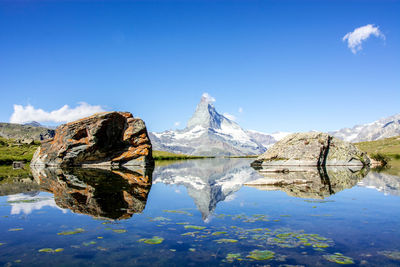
115,194
312,182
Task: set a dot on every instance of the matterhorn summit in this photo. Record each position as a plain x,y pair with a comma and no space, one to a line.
208,133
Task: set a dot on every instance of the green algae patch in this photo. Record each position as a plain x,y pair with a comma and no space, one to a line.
1,244
190,233
339,258
192,249
194,227
172,249
287,239
47,250
225,240
230,257
179,212
182,223
119,231
391,254
219,233
86,244
261,255
76,231
50,250
159,219
15,229
152,241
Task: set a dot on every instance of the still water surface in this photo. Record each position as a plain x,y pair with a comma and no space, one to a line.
197,213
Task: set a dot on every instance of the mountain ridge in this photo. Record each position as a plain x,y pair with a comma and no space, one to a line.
208,133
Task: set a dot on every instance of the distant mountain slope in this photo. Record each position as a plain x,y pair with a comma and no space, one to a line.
267,140
19,131
208,133
383,128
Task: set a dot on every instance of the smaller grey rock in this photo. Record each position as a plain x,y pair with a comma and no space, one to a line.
310,149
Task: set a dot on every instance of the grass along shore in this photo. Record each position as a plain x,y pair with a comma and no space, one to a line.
163,155
12,150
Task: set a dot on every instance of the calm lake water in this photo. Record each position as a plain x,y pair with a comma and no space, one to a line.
197,213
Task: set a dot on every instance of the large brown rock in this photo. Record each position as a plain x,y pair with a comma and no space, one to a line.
105,139
310,149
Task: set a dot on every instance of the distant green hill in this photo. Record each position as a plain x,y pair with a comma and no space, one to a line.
19,131
389,147
12,150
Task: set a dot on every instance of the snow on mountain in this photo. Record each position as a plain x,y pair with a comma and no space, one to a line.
208,133
267,140
383,128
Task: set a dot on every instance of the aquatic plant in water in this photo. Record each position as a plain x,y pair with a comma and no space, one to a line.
179,212
76,231
153,241
86,244
119,231
190,233
160,218
225,240
339,258
391,254
219,233
286,239
15,229
194,227
261,255
50,250
230,257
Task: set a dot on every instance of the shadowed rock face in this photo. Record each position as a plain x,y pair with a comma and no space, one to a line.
310,149
116,194
317,183
104,139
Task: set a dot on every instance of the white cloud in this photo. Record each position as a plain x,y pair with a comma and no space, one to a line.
229,116
240,110
64,114
208,98
177,123
355,38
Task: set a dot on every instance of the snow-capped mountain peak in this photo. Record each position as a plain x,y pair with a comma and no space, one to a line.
208,133
206,115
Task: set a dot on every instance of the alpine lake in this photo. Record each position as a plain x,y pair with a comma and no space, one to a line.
202,212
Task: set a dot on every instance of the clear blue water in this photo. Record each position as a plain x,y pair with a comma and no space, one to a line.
362,222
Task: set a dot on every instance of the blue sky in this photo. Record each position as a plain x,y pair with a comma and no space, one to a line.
284,63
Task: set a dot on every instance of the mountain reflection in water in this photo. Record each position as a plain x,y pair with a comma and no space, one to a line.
208,181
116,194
